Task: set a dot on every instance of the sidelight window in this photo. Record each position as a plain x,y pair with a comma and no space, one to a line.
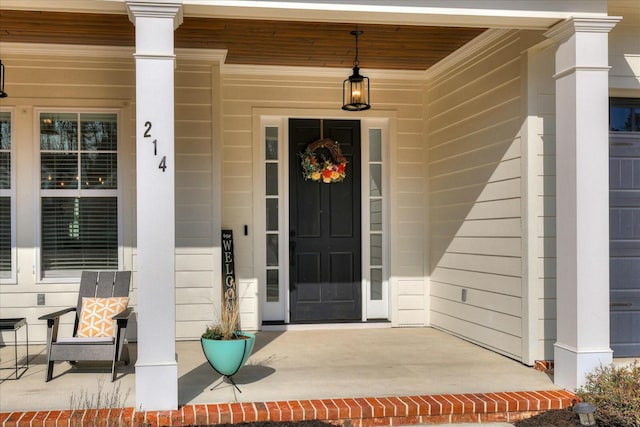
7,216
272,201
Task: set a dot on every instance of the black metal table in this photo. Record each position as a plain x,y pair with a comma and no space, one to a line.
13,324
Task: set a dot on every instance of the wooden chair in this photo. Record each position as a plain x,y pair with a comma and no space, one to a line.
94,286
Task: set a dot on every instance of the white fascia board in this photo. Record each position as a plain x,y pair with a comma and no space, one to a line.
286,71
207,55
77,6
66,50
524,14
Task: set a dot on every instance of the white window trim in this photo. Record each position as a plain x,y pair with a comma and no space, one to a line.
118,193
379,309
12,279
273,311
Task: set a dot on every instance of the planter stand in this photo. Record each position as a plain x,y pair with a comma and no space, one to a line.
230,378
227,357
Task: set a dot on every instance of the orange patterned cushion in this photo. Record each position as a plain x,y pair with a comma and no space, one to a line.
96,317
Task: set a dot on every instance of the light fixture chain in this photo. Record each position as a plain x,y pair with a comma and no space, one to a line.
356,62
356,34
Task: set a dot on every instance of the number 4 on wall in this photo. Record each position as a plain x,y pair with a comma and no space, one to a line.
163,164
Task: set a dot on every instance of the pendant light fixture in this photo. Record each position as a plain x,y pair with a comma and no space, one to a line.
3,94
355,89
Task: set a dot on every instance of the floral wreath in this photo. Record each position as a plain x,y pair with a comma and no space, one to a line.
318,167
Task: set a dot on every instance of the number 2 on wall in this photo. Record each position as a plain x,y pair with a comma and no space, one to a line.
147,134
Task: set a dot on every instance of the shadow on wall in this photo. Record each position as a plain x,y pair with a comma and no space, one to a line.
475,204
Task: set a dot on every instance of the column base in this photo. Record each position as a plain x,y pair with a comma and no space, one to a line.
157,386
571,366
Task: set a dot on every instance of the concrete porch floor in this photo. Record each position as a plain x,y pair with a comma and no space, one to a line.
292,365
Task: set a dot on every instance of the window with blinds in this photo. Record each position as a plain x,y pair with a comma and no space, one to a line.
78,189
6,222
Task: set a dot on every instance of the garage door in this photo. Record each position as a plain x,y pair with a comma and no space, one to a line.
624,211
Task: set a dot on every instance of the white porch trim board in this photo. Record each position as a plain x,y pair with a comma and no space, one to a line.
582,170
523,14
156,365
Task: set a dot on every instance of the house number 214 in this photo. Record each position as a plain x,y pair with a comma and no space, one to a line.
147,134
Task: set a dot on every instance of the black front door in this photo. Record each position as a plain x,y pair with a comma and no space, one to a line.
325,236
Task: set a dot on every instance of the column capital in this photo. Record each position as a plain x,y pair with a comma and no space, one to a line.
155,9
565,29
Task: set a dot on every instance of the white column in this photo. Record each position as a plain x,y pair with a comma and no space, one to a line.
582,185
156,366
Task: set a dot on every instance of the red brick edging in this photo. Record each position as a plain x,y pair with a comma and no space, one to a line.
356,412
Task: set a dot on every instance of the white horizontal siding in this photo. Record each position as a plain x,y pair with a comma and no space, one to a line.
96,82
542,140
410,301
242,93
249,305
474,167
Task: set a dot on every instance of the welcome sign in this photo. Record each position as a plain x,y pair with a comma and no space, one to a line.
228,269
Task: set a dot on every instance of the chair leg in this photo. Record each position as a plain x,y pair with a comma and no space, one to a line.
52,335
113,370
49,372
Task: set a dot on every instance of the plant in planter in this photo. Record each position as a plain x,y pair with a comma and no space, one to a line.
225,346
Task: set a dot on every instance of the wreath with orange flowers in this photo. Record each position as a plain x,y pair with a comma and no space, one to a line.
328,165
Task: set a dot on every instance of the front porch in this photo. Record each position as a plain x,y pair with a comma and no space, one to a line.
491,222
309,366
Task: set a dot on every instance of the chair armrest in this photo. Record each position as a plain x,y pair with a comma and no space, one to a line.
123,314
55,314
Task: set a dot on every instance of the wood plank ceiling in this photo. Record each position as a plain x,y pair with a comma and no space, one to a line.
259,42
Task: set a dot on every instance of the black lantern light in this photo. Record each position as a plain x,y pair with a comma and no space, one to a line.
3,94
355,89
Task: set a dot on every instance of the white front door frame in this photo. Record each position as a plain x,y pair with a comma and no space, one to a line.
279,118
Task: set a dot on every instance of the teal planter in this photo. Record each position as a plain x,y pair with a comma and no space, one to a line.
228,356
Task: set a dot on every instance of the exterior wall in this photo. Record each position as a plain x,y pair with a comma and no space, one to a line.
474,174
542,186
624,54
86,77
475,120
107,80
198,262
316,93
